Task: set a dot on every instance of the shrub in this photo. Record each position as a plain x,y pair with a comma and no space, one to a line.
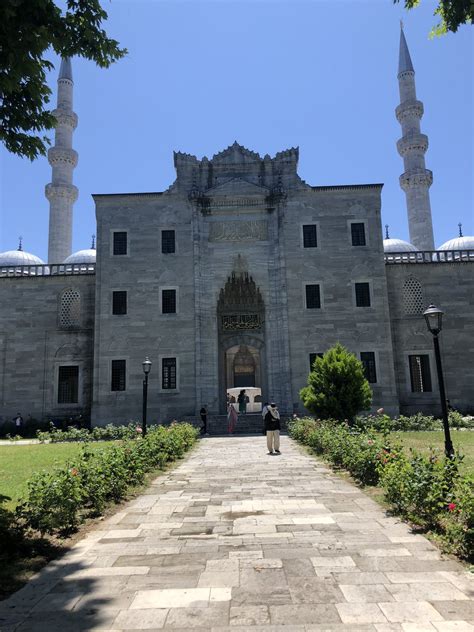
337,387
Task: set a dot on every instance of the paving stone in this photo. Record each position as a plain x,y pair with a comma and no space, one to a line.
456,610
249,615
360,613
303,614
140,619
369,593
410,612
196,618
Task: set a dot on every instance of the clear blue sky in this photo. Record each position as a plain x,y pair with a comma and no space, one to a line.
272,75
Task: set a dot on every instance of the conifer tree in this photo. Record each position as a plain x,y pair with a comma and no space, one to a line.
337,387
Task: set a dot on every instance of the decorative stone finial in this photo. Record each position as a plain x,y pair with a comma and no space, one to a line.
93,242
460,229
386,232
20,245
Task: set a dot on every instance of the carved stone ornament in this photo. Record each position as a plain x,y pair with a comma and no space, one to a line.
251,230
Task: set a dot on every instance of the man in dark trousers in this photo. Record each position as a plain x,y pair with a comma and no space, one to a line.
272,426
203,413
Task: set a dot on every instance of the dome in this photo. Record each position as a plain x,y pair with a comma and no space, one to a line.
459,243
82,256
19,258
398,245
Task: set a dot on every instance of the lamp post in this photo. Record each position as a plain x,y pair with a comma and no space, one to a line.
146,370
434,322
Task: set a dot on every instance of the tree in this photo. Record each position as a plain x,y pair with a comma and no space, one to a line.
452,13
28,29
337,387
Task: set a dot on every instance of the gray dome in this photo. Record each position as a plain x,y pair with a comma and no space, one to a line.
459,243
19,258
82,256
398,245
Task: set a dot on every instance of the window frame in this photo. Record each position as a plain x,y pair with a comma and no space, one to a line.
376,366
119,230
305,303
126,303
166,229
429,355
163,288
112,360
366,232
161,357
78,325
318,236
354,293
57,365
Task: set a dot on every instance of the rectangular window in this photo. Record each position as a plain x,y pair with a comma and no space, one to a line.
120,243
168,244
168,373
362,294
119,303
312,358
358,234
168,302
310,236
68,385
118,375
420,375
368,360
313,297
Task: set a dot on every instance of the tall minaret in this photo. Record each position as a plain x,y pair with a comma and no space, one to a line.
416,180
61,192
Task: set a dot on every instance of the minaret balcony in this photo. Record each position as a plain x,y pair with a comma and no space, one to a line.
65,117
416,178
409,110
62,155
412,143
67,192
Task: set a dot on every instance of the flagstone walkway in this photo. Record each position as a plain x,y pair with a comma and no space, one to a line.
234,540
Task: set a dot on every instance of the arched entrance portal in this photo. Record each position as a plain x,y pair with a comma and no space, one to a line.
240,313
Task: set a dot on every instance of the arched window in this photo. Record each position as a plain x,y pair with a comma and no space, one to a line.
412,297
70,309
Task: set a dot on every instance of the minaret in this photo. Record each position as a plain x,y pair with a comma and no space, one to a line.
61,192
412,147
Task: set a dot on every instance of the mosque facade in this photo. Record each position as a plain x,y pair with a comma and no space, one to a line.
238,275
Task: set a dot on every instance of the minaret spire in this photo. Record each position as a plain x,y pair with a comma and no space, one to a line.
61,192
416,180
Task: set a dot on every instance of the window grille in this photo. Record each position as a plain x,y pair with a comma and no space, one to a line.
368,362
120,243
68,385
168,301
420,374
119,303
313,297
362,293
312,358
358,234
413,303
70,309
118,375
168,373
168,241
310,236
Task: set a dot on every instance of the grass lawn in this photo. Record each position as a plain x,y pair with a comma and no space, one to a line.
462,441
18,463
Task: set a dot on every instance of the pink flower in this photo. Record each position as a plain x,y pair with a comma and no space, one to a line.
74,471
451,506
380,411
370,442
138,429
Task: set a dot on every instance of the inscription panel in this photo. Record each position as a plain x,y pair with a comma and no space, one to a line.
251,230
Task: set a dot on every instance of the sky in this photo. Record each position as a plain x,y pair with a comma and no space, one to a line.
321,75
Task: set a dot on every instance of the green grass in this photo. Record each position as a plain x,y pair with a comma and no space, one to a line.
18,463
462,441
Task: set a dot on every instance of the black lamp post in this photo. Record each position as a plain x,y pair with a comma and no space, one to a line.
434,322
146,370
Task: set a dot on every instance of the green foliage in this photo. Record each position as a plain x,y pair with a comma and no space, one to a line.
28,28
98,433
452,14
416,422
58,500
10,535
337,388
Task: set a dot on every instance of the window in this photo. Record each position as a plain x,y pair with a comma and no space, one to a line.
313,297
368,361
119,303
312,358
118,375
70,309
310,236
168,373
68,384
420,375
120,243
168,302
358,234
168,240
362,294
412,297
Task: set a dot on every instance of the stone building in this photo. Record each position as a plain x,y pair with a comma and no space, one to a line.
237,275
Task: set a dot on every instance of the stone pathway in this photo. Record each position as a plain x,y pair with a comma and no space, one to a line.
234,540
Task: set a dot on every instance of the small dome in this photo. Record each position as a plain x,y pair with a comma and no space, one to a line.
82,256
459,243
19,258
398,245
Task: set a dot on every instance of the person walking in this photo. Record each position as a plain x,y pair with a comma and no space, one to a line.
272,427
242,401
18,421
203,413
264,412
231,418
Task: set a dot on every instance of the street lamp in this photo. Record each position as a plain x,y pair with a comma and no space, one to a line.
434,322
146,370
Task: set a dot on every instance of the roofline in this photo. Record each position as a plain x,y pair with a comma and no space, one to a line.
104,195
348,187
